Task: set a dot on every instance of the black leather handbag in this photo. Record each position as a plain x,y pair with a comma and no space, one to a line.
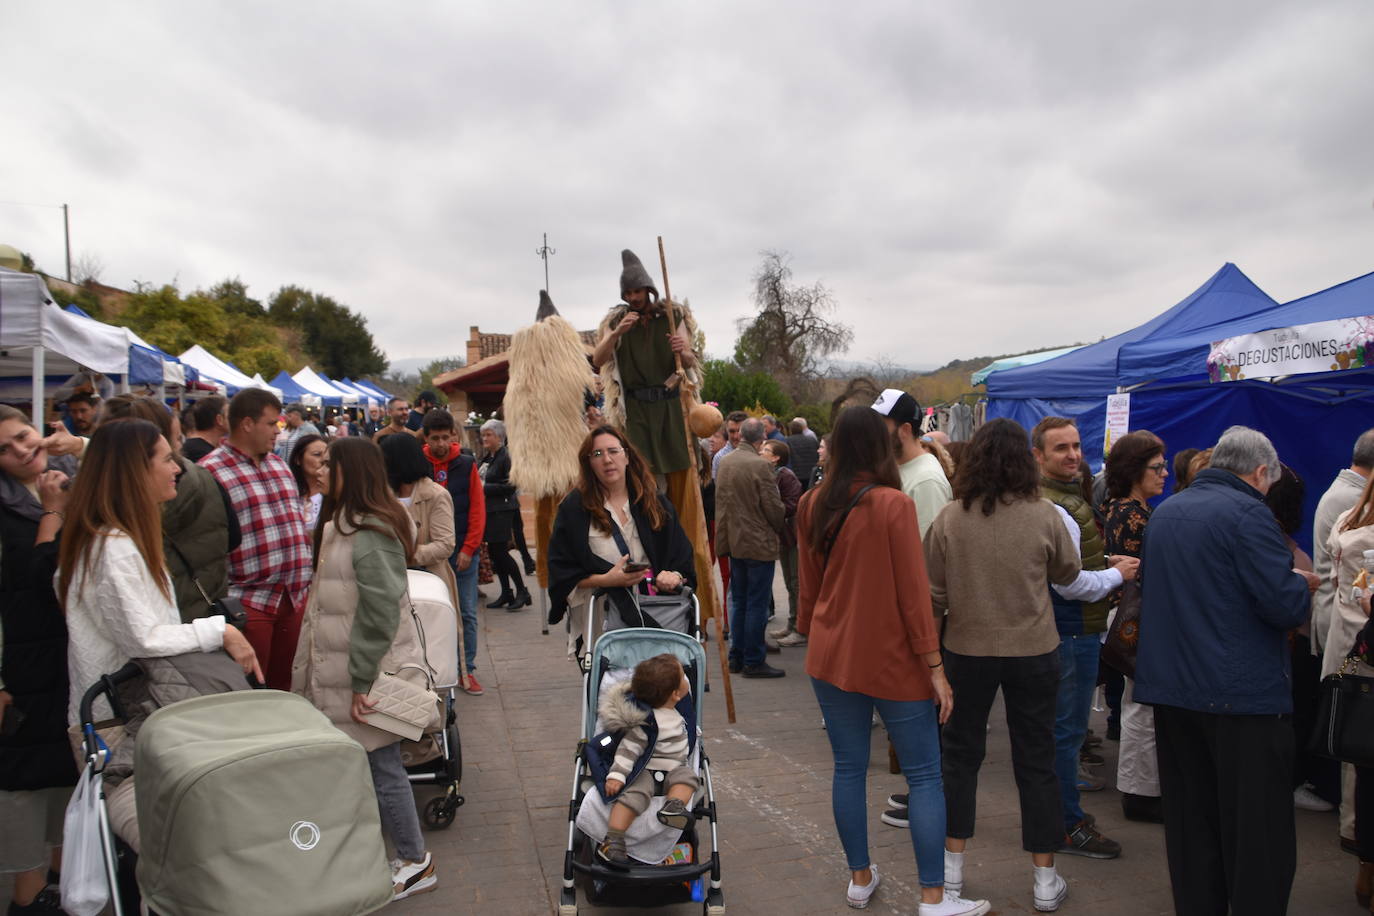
1345,716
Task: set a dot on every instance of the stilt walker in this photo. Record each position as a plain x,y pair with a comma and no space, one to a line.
650,376
549,376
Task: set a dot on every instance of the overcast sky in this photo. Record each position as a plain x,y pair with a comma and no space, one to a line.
966,177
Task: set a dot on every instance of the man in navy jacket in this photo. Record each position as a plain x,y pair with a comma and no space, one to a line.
1220,595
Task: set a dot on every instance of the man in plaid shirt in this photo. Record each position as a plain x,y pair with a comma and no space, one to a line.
270,570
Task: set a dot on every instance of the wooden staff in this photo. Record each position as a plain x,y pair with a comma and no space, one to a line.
685,396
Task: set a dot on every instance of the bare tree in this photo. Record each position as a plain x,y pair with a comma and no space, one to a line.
87,268
791,335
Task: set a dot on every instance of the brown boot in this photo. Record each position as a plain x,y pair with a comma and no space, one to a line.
1364,885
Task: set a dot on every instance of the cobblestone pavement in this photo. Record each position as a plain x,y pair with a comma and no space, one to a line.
779,850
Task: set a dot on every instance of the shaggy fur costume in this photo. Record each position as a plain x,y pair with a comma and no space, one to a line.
614,411
544,420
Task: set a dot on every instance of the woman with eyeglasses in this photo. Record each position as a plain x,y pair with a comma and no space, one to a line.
614,531
1136,471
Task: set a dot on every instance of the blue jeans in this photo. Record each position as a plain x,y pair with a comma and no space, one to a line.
467,606
912,726
751,585
1078,657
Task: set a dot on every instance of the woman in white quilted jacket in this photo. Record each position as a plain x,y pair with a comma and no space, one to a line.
357,624
112,577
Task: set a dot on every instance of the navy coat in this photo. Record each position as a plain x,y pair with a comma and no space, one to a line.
1219,597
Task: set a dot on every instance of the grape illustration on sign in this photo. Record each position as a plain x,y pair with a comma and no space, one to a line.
1326,346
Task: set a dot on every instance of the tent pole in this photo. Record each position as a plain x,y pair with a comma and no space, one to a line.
39,370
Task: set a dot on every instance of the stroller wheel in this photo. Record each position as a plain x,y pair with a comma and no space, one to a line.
454,764
440,811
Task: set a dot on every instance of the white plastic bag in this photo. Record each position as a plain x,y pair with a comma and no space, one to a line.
85,890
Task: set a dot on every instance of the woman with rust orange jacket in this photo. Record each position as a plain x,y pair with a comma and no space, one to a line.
872,644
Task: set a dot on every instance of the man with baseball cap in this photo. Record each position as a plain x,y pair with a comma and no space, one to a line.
923,477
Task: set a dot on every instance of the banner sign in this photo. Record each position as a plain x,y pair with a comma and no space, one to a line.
1326,346
1118,419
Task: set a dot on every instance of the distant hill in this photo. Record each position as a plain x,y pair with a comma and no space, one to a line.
952,379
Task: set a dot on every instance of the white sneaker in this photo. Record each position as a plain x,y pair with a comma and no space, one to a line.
954,873
411,878
859,895
1307,800
954,905
1050,889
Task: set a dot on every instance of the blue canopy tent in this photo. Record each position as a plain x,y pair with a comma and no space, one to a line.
293,392
1313,419
1076,384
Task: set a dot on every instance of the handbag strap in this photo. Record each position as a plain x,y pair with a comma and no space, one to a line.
191,570
624,547
832,533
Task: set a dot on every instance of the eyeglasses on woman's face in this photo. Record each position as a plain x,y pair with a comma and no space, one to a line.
1158,467
614,452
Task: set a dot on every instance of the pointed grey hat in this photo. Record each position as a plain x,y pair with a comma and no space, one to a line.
634,276
546,306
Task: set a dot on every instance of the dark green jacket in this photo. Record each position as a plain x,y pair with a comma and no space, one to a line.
1074,618
197,538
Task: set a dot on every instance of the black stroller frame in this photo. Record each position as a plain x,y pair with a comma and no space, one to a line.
118,857
663,884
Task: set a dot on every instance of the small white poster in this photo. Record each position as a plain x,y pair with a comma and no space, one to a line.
1118,419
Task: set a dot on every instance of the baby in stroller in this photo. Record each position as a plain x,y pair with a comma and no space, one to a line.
643,714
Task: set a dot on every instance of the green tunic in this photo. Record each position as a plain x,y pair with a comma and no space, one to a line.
645,360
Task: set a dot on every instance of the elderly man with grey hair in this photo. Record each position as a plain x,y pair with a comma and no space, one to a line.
749,518
1220,595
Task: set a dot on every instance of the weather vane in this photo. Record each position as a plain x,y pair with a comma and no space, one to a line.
544,251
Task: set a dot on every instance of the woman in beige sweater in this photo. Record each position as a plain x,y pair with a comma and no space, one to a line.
431,506
990,556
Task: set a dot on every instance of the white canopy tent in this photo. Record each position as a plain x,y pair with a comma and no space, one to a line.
213,368
310,380
364,399
37,337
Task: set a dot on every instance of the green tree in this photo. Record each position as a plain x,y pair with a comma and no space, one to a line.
232,296
735,389
435,368
167,319
335,336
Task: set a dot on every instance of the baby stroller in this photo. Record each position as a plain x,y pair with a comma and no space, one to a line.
247,801
681,875
437,758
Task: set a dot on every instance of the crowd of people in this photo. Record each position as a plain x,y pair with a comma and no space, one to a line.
122,537
1006,577
923,578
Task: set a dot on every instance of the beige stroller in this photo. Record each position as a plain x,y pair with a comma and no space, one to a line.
437,758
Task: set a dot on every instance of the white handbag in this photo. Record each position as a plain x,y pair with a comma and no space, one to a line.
404,707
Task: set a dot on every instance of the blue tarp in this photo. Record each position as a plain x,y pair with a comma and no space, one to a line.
1090,372
1185,357
1313,420
291,390
1078,383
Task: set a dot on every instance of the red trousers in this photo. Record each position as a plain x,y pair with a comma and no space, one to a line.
273,636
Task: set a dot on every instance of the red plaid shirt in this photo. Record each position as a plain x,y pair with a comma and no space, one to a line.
275,555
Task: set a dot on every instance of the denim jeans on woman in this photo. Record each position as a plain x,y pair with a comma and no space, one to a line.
396,802
913,727
466,581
